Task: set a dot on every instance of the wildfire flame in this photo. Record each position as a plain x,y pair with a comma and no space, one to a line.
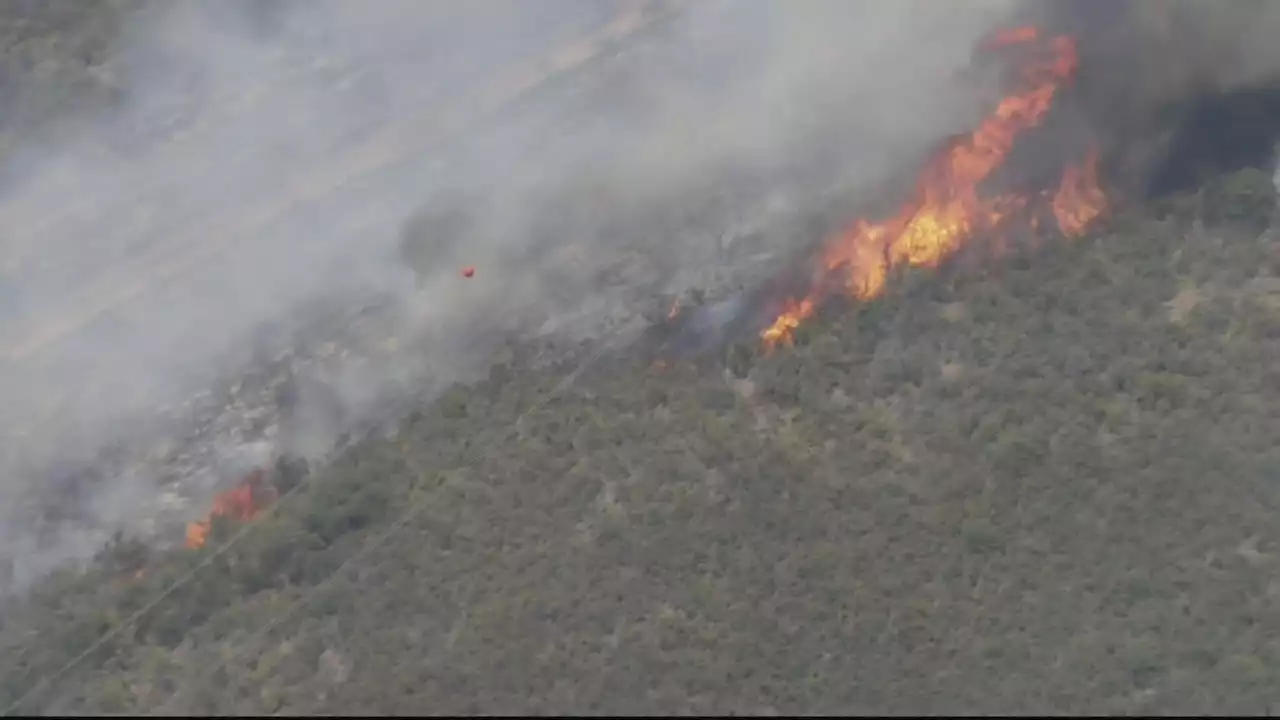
242,503
1079,199
948,209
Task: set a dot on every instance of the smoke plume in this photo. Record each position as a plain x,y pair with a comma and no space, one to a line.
255,179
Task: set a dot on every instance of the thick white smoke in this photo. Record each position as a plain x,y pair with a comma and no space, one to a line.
261,168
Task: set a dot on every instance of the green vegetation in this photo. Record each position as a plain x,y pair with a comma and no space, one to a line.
1045,484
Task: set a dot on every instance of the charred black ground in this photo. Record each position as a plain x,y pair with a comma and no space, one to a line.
1149,102
1218,133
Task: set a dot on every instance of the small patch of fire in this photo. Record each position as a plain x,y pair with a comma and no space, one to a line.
241,503
948,208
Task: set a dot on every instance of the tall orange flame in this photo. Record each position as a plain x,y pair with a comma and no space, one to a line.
242,503
948,208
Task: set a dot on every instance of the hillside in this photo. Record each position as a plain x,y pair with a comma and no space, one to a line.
1041,482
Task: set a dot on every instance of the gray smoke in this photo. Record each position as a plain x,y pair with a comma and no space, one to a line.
1143,57
1219,45
265,157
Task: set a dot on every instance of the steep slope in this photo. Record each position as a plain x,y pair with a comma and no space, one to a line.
1041,483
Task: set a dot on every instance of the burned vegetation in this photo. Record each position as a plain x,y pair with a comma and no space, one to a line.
1046,482
1004,477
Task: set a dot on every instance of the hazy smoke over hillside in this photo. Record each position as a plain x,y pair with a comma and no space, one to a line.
264,158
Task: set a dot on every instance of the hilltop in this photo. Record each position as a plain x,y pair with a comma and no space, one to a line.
1042,481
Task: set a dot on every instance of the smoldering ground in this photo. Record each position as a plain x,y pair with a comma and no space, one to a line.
1172,92
252,182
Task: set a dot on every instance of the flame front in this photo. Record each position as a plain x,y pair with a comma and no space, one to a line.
948,208
1079,199
241,503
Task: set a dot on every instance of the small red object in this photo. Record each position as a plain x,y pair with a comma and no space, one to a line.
468,271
